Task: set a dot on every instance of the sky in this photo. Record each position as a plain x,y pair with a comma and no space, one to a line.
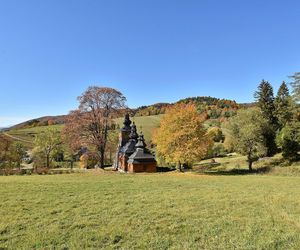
151,50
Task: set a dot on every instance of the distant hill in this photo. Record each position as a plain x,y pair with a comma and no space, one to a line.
42,121
214,107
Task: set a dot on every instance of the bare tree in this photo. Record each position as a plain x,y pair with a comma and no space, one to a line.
89,125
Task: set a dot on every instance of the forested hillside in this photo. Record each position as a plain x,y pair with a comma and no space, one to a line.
215,108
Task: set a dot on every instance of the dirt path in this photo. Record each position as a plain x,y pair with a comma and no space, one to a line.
16,138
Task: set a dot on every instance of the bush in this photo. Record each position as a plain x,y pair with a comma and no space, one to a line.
289,141
218,150
216,134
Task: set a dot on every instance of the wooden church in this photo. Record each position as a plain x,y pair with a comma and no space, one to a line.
132,155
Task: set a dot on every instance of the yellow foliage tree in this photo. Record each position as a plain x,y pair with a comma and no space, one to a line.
182,138
84,161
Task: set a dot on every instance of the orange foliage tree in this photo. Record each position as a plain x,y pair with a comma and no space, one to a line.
90,124
182,138
51,122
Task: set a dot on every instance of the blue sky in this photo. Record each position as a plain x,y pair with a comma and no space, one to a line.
151,50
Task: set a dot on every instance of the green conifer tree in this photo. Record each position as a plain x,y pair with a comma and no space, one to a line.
265,99
296,86
283,106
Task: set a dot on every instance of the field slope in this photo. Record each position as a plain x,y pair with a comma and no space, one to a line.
26,136
158,211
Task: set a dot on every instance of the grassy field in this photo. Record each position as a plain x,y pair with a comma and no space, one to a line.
27,136
155,211
145,123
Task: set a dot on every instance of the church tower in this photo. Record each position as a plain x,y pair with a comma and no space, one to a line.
125,131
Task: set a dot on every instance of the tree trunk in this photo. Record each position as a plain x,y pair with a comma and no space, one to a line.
47,161
250,165
102,158
180,167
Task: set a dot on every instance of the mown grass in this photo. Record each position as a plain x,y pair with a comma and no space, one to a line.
155,211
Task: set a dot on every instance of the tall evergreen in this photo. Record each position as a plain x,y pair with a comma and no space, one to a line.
296,86
265,99
283,106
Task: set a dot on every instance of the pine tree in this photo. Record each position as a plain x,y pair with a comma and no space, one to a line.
265,99
296,86
283,106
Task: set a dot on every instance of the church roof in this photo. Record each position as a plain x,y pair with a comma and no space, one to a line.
140,155
129,147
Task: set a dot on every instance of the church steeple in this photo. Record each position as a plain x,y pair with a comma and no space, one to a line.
127,123
125,131
133,135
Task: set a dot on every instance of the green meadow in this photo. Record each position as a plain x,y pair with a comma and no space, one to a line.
105,210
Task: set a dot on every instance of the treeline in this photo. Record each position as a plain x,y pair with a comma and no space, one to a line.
274,127
214,108
155,109
270,126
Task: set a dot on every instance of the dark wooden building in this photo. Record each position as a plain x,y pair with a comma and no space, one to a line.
132,154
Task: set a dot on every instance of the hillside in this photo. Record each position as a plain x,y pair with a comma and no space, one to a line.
214,107
42,121
26,136
147,118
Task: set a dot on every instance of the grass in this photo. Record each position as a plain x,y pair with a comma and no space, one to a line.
27,136
155,211
146,124
236,164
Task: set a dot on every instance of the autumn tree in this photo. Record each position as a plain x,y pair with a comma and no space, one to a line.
51,122
46,144
5,144
181,137
216,134
11,153
17,153
90,124
265,99
247,132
